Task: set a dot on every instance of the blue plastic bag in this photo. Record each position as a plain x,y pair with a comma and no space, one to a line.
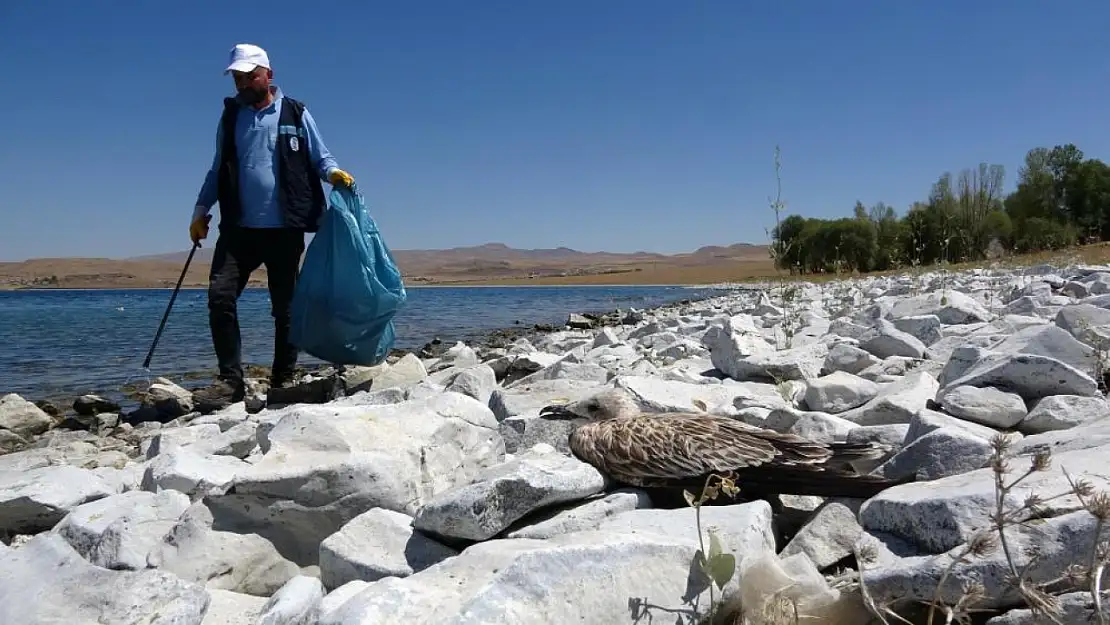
349,287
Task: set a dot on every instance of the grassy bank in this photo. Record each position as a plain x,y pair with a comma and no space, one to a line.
755,271
727,270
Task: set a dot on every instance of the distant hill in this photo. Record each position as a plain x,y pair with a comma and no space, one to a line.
494,262
736,250
502,252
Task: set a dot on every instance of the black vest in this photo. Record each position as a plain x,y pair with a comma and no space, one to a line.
300,192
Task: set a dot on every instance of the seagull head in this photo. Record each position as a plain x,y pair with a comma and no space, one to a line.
613,403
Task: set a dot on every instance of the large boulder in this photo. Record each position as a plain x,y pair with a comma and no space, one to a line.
326,465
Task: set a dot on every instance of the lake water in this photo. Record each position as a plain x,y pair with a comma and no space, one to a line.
61,344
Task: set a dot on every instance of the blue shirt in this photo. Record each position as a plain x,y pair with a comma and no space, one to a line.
256,134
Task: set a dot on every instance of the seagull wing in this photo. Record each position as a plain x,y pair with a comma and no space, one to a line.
650,449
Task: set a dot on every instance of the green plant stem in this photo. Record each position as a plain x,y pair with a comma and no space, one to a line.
1000,492
940,584
701,546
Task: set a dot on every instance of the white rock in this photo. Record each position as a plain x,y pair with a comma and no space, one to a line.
839,391
336,598
1075,607
938,453
927,421
244,563
656,395
237,441
566,370
168,439
829,535
460,355
37,499
1053,342
925,328
169,398
1090,324
529,399
941,514
10,441
232,608
1061,412
1086,436
524,432
1059,541
328,464
407,371
118,531
359,378
296,603
1029,375
500,495
512,581
46,582
848,329
377,543
578,517
848,358
732,343
534,361
950,307
21,417
986,405
478,382
821,427
743,529
897,402
618,357
797,363
887,340
962,358
185,471
607,336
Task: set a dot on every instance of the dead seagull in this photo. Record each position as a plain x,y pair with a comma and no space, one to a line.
681,449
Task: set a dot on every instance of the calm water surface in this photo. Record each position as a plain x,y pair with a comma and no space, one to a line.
66,343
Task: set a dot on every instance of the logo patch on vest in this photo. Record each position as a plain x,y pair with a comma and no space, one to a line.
294,144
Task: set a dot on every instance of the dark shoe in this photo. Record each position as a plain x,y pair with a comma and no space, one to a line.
218,395
282,391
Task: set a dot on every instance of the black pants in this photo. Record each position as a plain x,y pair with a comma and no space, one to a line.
238,253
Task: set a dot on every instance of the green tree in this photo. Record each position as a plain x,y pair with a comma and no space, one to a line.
787,239
1061,198
1087,191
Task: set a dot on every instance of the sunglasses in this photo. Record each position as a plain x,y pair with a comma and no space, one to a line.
245,76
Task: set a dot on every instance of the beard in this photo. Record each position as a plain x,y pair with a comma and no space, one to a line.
252,95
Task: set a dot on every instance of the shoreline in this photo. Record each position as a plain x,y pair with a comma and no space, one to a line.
125,392
447,285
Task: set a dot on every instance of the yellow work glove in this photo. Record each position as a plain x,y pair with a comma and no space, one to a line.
340,177
199,229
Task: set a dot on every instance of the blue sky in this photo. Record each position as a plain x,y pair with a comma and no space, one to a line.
619,124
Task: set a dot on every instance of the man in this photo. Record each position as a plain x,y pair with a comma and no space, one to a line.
266,176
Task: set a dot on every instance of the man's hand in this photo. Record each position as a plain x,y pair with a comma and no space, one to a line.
340,177
199,229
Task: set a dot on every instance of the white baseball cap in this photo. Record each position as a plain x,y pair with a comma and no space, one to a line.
245,57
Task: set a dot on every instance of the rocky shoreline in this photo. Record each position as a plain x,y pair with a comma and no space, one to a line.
430,490
131,395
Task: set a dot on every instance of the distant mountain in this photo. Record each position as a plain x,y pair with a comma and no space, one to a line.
501,252
736,250
491,262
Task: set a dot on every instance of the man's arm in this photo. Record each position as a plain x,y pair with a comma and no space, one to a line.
317,150
207,196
